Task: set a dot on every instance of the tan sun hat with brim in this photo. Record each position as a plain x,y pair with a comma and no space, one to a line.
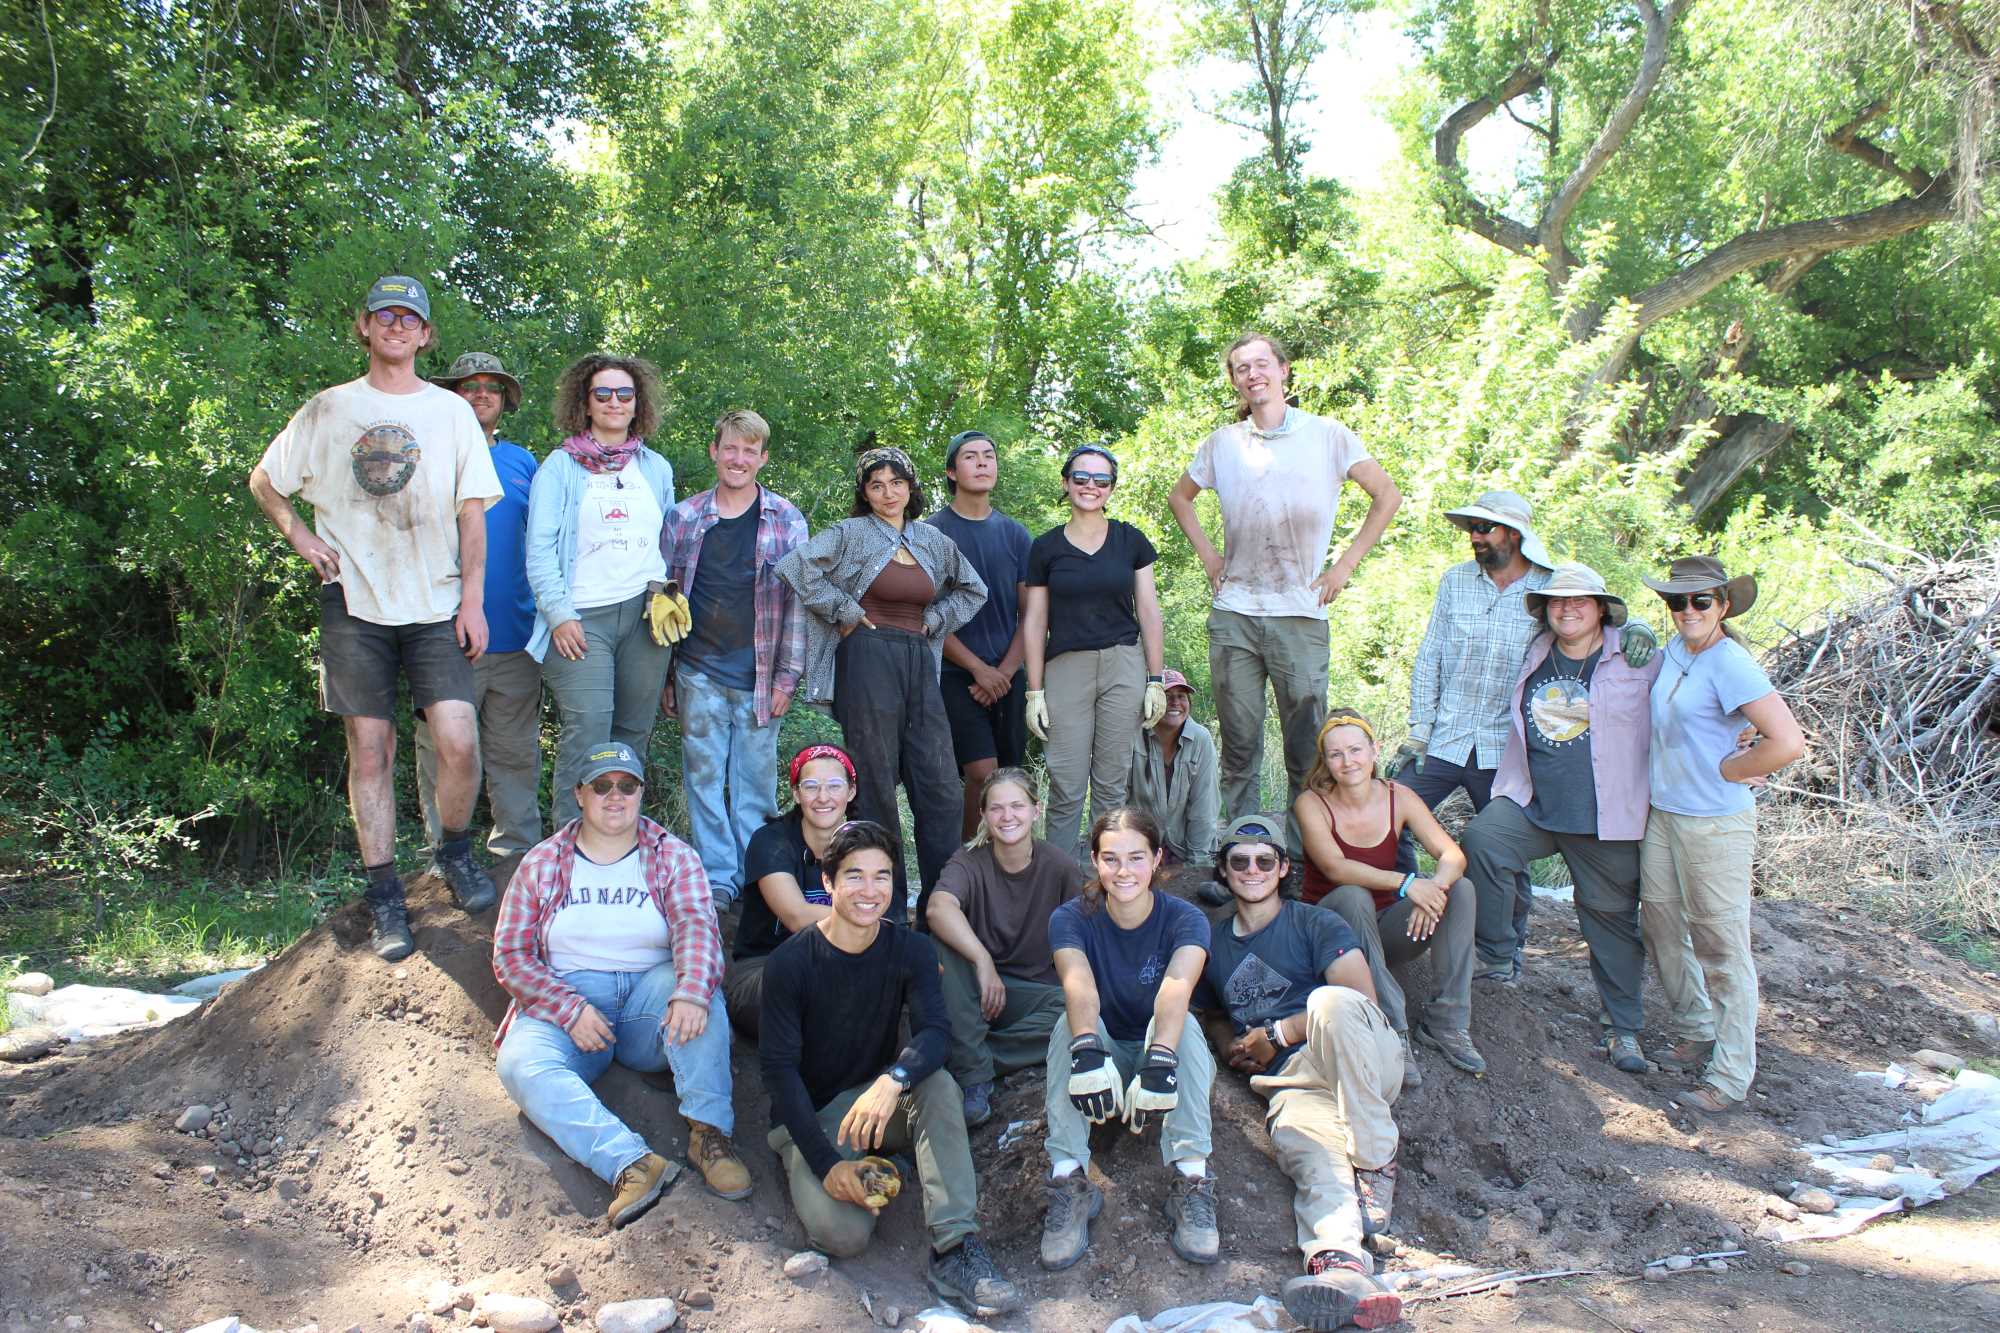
1700,573
1574,581
480,363
1510,510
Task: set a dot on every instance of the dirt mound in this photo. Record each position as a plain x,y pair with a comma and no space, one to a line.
363,1150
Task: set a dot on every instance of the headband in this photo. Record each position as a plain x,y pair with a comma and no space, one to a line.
1333,722
889,454
812,752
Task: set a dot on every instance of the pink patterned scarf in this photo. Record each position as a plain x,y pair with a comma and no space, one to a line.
592,456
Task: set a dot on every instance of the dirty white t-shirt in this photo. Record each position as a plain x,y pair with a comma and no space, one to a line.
385,474
1278,491
617,539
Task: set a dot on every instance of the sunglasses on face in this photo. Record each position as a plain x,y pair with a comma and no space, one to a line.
1681,601
389,319
604,393
1091,478
831,786
481,387
1265,861
1482,527
623,786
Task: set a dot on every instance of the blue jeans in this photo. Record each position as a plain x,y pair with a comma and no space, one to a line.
549,1078
722,747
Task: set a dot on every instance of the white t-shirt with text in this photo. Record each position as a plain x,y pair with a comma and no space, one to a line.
385,474
1278,491
609,922
617,539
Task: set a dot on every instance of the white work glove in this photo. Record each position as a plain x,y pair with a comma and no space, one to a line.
1155,1090
1155,706
1094,1088
1038,714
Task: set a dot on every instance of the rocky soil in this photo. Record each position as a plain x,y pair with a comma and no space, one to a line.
326,1143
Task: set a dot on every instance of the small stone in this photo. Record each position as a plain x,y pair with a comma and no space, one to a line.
1793,1268
207,1173
1987,1026
1677,1263
1717,1265
288,1190
419,1323
562,1275
805,1264
440,1297
650,1316
31,983
1943,1061
1784,1208
1509,1289
232,1213
1881,1161
163,1170
194,1120
1655,1273
75,1321
774,1223
1813,1199
263,1147
514,1314
888,1316
458,1166
698,1299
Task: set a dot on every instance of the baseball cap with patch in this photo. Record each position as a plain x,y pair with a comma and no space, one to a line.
396,289
1174,680
611,757
1255,828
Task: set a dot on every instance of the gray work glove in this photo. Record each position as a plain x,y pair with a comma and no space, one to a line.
1410,756
1638,643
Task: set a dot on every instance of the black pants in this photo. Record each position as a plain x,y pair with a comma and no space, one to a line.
885,697
1439,779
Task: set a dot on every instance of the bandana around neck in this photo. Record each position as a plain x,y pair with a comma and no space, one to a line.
592,456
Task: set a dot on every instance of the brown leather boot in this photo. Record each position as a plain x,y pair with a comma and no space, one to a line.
711,1153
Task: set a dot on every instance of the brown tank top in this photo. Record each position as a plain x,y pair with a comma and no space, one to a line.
897,598
1314,885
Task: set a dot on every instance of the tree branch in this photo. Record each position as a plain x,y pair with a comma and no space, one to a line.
1610,138
1472,211
1847,139
1723,461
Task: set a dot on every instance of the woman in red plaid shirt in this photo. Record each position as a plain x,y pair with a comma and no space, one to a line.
607,941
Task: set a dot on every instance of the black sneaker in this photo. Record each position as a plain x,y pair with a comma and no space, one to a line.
471,887
966,1276
391,935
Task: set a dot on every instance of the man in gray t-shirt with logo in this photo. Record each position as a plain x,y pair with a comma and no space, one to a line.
1277,473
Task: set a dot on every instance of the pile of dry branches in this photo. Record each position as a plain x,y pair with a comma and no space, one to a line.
1899,793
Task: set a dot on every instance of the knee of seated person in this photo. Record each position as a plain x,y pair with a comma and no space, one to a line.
1327,1003
844,1233
1350,897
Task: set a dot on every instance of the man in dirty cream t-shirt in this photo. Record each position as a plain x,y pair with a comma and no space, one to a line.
1277,473
399,478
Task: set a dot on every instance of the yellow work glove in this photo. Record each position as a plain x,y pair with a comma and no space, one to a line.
1038,715
1155,706
667,613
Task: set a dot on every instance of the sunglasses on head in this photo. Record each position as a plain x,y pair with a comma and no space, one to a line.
624,786
1482,527
389,319
1681,601
1266,861
1083,478
604,393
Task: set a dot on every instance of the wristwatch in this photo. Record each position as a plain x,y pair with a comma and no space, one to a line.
901,1075
1277,1037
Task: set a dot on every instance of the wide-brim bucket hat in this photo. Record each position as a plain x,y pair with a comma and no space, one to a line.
1573,580
1700,573
1510,510
480,363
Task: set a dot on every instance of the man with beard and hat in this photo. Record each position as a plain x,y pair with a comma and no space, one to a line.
1465,671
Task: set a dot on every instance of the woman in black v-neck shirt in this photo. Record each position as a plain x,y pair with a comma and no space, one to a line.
1092,632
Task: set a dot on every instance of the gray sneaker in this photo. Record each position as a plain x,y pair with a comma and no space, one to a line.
1622,1050
966,1276
471,887
1413,1073
1456,1047
1191,1208
1213,893
978,1103
1073,1201
1376,1193
389,926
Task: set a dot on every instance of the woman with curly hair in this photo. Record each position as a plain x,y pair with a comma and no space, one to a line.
594,517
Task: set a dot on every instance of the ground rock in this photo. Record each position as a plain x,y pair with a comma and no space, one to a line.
1940,1060
1655,1273
1784,1208
1677,1263
420,1323
637,1316
514,1314
1793,1268
805,1264
440,1297
31,983
194,1120
31,1043
1881,1161
1813,1199
1987,1026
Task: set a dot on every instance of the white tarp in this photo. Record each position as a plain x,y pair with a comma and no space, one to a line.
79,1013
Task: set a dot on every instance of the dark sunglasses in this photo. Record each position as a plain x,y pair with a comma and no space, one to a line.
389,319
624,786
1681,601
604,393
482,386
1482,527
1266,861
1092,478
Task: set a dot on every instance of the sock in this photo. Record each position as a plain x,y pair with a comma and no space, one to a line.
455,842
1194,1168
1064,1168
383,885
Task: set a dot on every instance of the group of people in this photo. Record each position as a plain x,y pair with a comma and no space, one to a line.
449,558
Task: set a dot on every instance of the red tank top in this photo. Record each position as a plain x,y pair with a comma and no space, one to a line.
1382,856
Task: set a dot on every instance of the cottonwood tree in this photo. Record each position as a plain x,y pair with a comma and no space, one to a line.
1689,143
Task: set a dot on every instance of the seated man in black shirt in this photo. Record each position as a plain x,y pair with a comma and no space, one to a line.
1301,1020
834,994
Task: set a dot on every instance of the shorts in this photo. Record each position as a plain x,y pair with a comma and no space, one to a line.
977,732
360,660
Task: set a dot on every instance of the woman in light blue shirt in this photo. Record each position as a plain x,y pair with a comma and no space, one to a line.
1719,730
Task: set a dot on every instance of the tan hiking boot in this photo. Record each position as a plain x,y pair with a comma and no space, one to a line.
638,1185
711,1153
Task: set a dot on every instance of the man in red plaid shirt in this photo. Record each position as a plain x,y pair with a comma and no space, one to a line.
607,941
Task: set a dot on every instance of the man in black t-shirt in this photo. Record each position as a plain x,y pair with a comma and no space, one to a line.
1289,1002
984,694
834,995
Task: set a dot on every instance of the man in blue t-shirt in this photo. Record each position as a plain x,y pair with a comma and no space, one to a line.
1287,1000
506,682
984,695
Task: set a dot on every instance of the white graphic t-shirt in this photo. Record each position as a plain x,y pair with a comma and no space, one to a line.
385,474
617,539
609,922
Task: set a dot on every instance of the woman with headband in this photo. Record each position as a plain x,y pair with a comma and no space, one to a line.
781,866
1093,635
882,591
1351,821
